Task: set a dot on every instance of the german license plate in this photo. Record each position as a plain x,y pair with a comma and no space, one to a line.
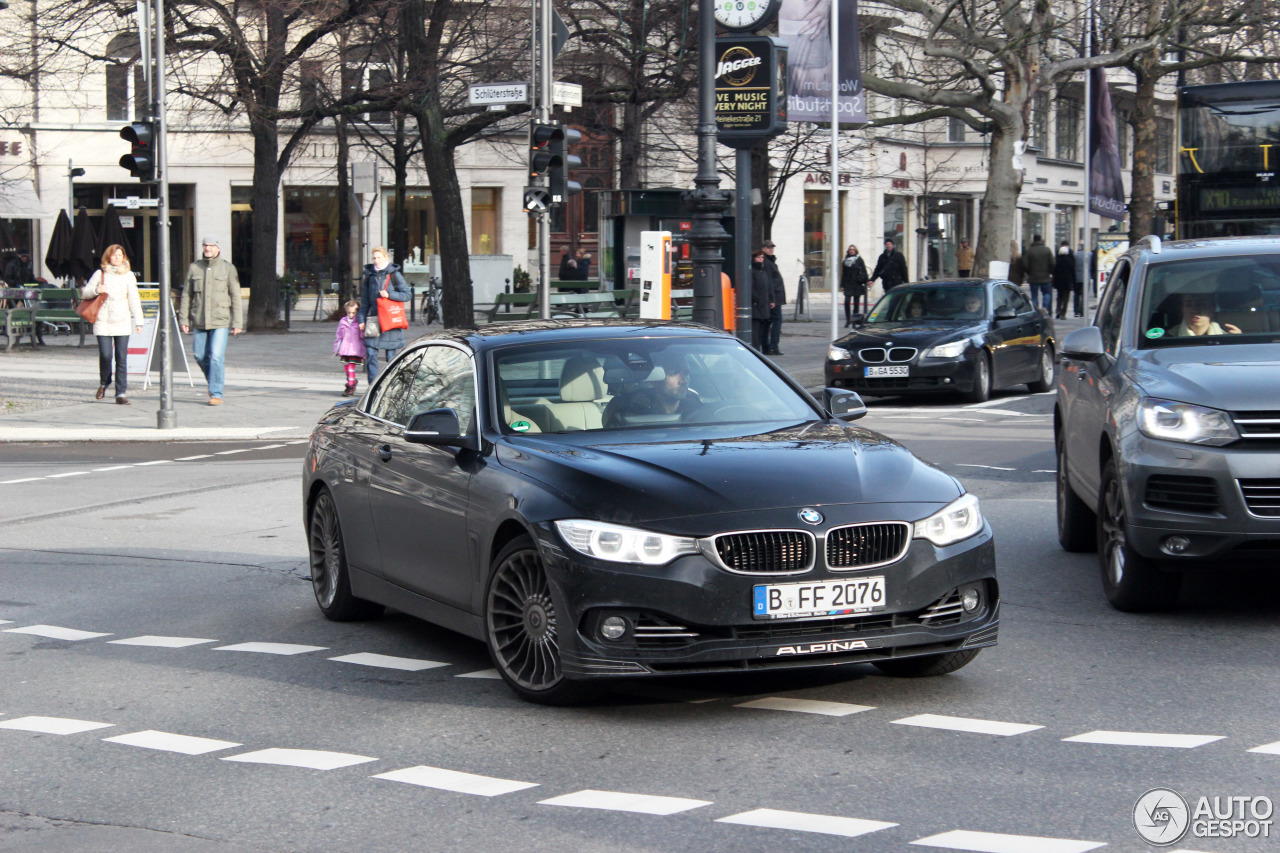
887,370
822,598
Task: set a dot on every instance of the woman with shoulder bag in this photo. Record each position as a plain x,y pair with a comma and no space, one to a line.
118,317
382,280
853,284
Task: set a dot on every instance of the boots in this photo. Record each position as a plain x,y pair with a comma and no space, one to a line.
350,390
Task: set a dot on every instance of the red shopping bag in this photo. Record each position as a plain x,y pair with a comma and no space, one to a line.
391,313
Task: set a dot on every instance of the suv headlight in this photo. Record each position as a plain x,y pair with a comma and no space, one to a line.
835,353
950,350
960,519
1170,421
619,544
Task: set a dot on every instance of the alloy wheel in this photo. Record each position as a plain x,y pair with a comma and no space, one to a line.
522,622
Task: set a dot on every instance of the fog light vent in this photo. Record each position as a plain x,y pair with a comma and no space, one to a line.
1176,545
613,628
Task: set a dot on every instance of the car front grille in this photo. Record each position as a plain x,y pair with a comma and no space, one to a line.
1262,497
865,545
1257,426
894,355
766,552
944,611
654,632
1177,493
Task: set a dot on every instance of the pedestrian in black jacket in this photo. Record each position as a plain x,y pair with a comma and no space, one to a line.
777,298
891,267
1064,276
761,297
853,284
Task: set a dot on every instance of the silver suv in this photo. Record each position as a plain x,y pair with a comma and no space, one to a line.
1167,419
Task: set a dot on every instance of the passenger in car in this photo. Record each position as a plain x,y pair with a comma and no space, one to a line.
1197,318
972,305
915,309
669,395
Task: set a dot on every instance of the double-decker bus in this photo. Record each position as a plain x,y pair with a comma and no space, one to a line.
1229,139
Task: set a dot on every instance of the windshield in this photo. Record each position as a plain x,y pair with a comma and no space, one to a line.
636,383
929,304
1210,301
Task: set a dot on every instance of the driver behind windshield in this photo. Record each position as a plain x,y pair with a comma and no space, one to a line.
915,309
669,395
1197,318
972,306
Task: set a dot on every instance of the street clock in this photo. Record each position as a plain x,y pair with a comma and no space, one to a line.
742,16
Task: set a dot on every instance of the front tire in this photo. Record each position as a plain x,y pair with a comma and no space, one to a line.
981,380
1077,524
926,666
1045,382
1133,583
330,576
522,630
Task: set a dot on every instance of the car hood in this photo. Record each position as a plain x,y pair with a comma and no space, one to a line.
1233,377
810,465
906,334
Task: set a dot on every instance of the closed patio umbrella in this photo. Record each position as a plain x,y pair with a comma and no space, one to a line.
84,241
58,258
113,234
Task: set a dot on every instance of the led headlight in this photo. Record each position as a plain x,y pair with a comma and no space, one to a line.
1184,422
950,350
960,519
835,353
620,544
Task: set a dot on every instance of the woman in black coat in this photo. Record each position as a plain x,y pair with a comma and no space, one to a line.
853,284
381,279
761,300
1064,276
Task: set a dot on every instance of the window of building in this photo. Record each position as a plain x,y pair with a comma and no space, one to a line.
311,234
1040,122
486,221
126,82
310,84
420,217
1164,145
955,129
1068,129
1122,136
378,78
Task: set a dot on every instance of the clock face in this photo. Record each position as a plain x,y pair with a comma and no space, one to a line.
744,14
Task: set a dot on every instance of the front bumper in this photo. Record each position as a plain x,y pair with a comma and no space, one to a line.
924,376
691,616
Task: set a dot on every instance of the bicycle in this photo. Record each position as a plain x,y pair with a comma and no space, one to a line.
431,302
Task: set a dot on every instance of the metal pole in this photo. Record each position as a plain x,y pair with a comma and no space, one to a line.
167,417
71,189
834,239
1086,288
707,200
544,115
742,247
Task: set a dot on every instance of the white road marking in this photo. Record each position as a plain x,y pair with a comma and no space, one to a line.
229,452
192,458
155,462
1268,748
55,633
452,780
620,802
988,467
994,842
68,474
23,480
482,673
1144,739
966,724
271,446
1044,471
313,759
966,420
167,742
52,725
299,441
271,648
6,621
389,662
112,468
161,642
805,706
849,827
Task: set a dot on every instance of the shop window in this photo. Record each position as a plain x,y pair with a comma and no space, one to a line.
311,234
420,217
486,222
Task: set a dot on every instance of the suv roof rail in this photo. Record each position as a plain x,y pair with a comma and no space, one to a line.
1151,242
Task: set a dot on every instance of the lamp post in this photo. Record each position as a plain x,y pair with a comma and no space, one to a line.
73,172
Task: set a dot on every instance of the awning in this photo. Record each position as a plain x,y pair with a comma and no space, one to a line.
1033,207
18,200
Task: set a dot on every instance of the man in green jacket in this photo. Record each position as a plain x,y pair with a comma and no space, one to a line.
211,306
1038,263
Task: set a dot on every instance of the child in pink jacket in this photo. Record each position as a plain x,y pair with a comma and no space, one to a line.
348,345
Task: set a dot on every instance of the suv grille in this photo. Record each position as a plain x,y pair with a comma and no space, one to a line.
1257,425
866,545
766,552
1262,497
877,355
1182,494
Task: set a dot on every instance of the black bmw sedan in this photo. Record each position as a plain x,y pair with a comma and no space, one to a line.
968,336
600,500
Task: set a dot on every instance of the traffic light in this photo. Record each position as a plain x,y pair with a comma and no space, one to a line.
562,164
141,160
541,142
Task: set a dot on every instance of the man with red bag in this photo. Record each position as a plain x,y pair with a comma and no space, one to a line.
382,312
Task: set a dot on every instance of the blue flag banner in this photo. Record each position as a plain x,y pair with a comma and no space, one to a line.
1106,187
805,27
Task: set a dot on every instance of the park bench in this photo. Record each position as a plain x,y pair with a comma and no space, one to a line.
27,308
509,307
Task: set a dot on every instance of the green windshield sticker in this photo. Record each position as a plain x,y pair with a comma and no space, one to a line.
1155,333
520,426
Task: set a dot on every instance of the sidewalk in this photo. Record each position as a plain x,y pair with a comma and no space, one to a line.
277,386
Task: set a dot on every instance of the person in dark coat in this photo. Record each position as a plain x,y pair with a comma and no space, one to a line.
568,269
19,270
891,267
777,298
853,284
1038,263
382,279
1064,277
761,297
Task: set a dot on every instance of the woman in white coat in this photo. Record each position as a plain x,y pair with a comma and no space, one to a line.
118,318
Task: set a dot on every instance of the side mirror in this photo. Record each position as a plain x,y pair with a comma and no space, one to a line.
438,427
1083,344
1006,312
843,405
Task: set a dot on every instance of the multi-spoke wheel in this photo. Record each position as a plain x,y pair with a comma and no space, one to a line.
1132,582
521,628
329,577
981,380
924,666
1045,382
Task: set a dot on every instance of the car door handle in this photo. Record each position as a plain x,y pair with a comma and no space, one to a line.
384,453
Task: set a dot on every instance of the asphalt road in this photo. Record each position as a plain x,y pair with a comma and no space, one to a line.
202,546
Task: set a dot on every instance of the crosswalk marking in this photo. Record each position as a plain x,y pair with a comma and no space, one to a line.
1172,741
312,759
271,648
806,706
482,673
994,842
967,724
452,780
52,725
53,632
161,642
849,827
1268,748
620,802
389,662
168,742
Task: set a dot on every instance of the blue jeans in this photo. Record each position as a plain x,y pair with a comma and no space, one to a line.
117,346
1042,295
371,359
210,349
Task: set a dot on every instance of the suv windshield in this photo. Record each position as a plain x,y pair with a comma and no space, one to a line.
929,304
1211,301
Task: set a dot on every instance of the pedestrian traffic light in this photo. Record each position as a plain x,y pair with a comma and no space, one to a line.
541,142
141,160
562,164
